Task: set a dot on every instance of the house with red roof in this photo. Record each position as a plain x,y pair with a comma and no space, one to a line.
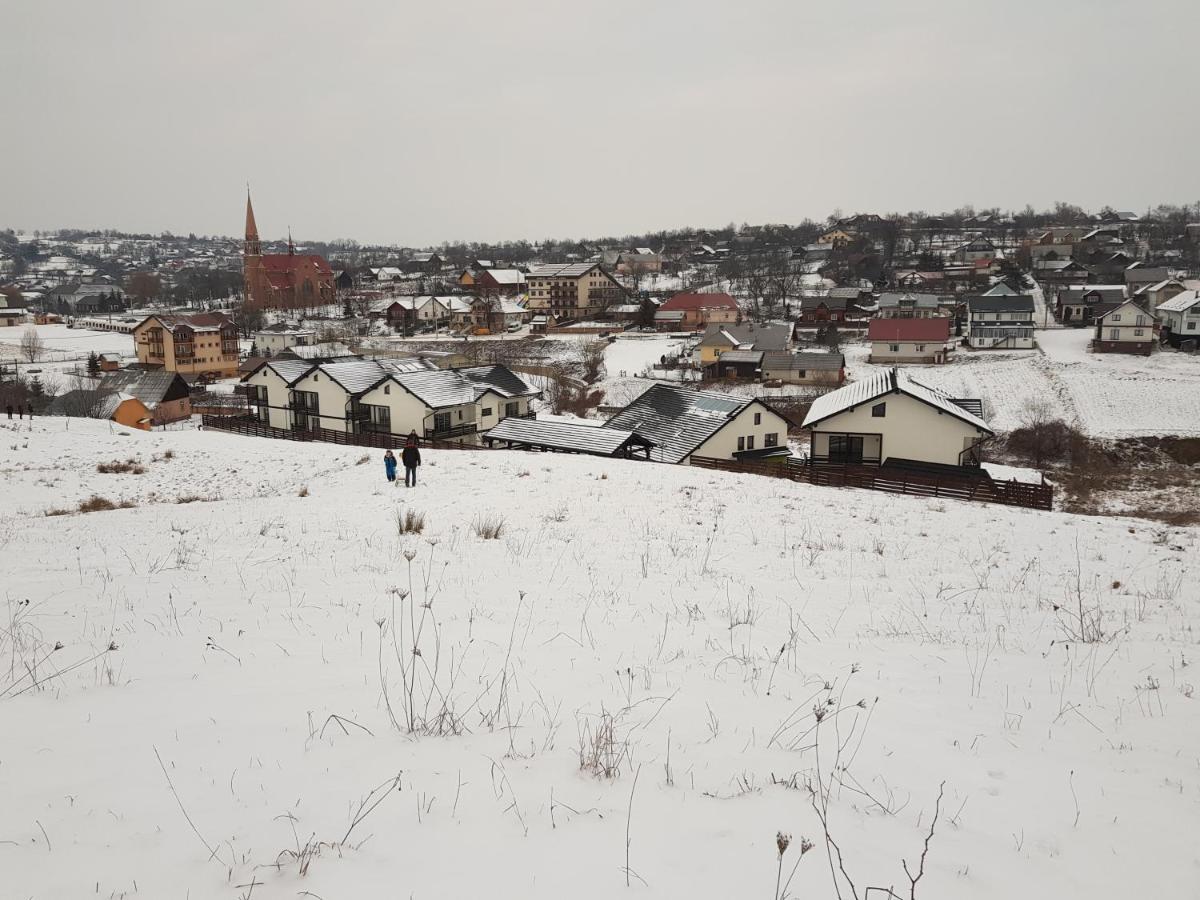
283,280
695,312
910,340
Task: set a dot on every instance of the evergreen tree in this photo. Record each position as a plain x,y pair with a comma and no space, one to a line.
93,363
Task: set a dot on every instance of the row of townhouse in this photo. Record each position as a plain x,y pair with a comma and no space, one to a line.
386,397
493,313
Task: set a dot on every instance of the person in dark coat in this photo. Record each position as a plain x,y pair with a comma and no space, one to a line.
389,465
411,457
8,409
29,409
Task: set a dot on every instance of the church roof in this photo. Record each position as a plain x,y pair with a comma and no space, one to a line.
290,262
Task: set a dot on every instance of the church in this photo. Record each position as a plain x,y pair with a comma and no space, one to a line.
283,280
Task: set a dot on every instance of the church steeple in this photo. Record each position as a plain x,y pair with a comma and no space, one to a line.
252,245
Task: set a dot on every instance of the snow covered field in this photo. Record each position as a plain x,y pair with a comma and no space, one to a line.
633,666
62,341
1108,395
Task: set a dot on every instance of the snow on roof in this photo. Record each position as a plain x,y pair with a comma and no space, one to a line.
889,381
582,438
1181,302
507,276
677,419
561,270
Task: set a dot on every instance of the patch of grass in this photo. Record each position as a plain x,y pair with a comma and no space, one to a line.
364,459
410,522
195,498
128,467
303,491
488,527
94,503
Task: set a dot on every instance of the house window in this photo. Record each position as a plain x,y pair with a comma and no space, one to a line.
1191,326
1116,317
1138,332
920,347
894,348
879,410
758,418
1140,320
487,411
741,444
1114,334
512,409
750,442
771,440
387,388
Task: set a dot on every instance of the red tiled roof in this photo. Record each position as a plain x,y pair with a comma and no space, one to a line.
895,330
699,301
287,262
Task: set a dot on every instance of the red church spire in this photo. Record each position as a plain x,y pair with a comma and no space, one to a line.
252,246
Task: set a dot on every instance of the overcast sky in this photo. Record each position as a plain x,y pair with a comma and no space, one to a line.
400,122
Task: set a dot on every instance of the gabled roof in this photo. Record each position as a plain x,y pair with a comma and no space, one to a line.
92,404
682,302
933,329
290,370
286,263
1153,288
896,299
1000,289
889,381
1181,302
196,322
598,441
744,357
678,420
355,376
150,386
1124,303
505,276
499,379
803,361
440,388
756,337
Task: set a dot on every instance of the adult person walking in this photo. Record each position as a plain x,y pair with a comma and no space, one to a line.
411,457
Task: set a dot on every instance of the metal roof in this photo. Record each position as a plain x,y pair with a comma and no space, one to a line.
816,362
987,303
600,441
561,270
151,387
289,369
919,301
676,419
1181,302
500,379
889,381
741,356
437,389
355,375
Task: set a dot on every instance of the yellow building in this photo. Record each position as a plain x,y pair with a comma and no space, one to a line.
573,290
203,345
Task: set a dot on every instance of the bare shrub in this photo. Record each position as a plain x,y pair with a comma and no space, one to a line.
32,345
96,503
409,521
488,527
128,467
363,460
303,491
601,751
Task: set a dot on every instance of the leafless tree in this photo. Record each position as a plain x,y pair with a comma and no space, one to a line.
32,345
590,356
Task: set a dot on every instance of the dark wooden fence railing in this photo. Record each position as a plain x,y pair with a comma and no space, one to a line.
984,490
255,428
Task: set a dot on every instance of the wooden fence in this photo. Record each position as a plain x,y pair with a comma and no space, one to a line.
254,428
896,481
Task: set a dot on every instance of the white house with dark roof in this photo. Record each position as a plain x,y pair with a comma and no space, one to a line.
997,321
1180,318
683,423
891,416
1126,328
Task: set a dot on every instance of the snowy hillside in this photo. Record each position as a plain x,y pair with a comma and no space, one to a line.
649,668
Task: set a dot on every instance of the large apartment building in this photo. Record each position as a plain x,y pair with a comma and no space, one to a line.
572,290
203,345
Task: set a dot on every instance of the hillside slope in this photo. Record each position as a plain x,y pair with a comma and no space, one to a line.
636,631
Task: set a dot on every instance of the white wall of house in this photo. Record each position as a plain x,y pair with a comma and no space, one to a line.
724,444
1185,323
1128,324
888,352
331,397
909,429
406,411
271,342
277,396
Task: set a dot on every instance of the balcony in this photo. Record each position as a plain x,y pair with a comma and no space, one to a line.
454,431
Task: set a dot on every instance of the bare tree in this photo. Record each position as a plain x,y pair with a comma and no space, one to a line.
32,345
591,360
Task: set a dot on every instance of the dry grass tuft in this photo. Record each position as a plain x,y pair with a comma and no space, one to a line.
303,491
94,503
488,527
410,522
128,467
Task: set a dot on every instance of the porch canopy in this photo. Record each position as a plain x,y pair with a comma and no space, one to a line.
567,437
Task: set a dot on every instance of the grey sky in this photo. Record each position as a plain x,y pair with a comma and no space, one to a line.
392,121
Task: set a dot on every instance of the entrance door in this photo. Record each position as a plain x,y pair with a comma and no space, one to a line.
441,422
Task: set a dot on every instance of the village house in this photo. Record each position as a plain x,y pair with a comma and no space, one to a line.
893,305
977,248
270,340
804,367
109,362
505,282
1126,328
122,408
683,423
890,417
389,397
996,321
1082,304
424,262
841,304
1152,296
10,316
695,312
722,339
1139,275
325,351
641,260
572,290
568,437
165,395
1180,319
921,340
204,345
